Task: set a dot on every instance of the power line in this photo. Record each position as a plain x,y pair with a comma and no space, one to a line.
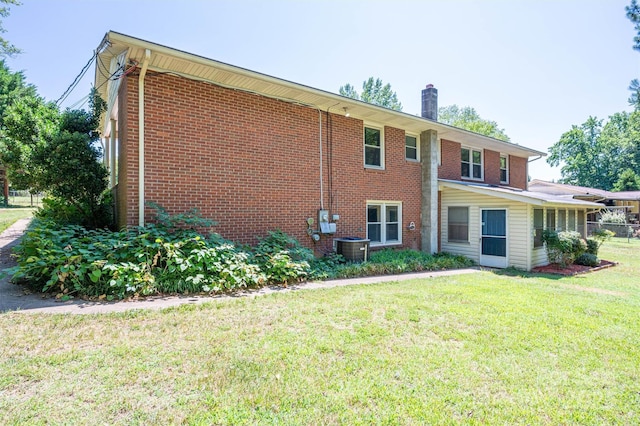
77,79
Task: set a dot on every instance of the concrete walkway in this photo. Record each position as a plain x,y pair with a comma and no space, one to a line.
17,299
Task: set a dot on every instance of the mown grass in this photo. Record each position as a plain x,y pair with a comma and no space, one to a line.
483,348
9,216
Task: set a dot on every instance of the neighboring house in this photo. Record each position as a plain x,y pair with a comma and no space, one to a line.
627,201
257,153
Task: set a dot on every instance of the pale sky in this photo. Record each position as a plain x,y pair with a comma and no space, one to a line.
535,67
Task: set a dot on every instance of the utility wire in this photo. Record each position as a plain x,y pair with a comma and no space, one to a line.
77,79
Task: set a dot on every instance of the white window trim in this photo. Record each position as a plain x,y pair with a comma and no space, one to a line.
364,151
506,156
468,240
471,163
383,221
417,159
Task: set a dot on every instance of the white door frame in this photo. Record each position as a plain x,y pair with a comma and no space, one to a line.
495,261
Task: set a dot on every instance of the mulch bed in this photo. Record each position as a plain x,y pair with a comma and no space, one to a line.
570,270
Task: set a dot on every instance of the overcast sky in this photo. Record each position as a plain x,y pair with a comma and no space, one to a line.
535,67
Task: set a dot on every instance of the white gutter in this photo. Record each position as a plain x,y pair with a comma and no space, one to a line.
143,72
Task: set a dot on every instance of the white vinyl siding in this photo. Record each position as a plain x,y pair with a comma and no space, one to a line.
519,240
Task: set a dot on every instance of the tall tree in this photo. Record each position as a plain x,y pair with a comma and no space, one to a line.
594,154
467,118
6,48
373,92
28,124
633,13
628,181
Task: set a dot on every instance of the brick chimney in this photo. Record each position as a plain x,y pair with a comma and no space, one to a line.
430,103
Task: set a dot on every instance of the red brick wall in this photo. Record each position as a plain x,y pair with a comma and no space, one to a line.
252,163
450,160
491,167
518,172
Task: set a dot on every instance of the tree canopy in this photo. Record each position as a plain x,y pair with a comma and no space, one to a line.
628,181
633,13
467,118
595,153
373,92
6,48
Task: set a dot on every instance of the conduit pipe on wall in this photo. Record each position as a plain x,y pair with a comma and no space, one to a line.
321,173
143,72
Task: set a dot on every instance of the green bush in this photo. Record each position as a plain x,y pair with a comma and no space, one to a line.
563,247
282,258
587,259
71,260
592,246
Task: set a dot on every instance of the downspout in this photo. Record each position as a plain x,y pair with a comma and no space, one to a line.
143,72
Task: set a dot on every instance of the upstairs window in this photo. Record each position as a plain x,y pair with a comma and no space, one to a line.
471,163
411,148
504,169
373,147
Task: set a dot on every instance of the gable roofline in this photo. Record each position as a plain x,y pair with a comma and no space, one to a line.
188,65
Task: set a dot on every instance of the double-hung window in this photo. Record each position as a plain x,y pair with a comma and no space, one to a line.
504,169
373,148
411,148
471,163
384,222
458,221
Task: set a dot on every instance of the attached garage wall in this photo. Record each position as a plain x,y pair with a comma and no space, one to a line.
519,217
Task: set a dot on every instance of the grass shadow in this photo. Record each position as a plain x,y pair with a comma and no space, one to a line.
521,273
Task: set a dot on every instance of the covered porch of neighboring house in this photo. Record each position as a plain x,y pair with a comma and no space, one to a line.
499,226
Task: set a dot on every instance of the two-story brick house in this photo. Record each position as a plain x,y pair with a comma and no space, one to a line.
257,153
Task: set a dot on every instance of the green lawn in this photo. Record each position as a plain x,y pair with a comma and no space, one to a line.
9,216
473,349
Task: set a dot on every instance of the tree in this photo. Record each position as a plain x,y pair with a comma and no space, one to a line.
373,92
467,118
29,123
628,181
594,154
6,48
633,13
45,150
12,88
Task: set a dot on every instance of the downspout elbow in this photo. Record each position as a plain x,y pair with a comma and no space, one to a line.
141,198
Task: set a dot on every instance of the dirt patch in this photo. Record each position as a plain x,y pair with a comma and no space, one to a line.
571,270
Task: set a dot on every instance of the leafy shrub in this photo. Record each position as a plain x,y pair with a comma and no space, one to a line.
390,261
592,246
563,247
282,258
587,259
597,238
143,261
71,260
